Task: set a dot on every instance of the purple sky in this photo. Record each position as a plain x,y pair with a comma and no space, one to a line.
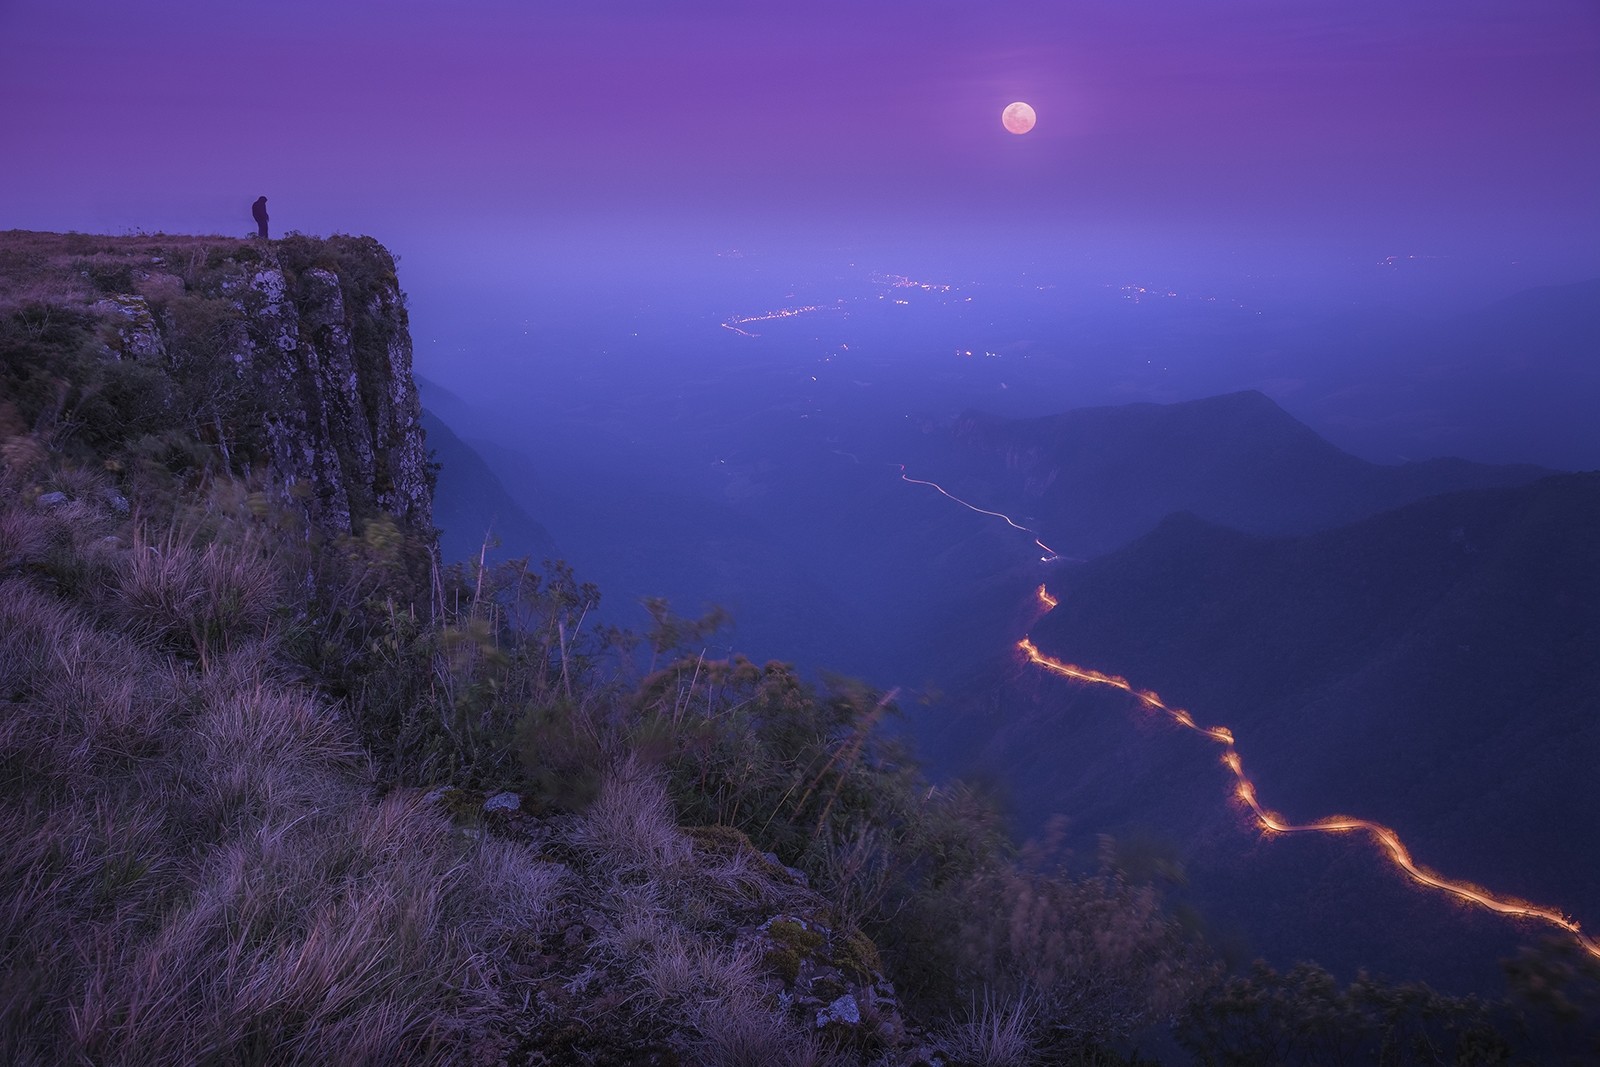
451,131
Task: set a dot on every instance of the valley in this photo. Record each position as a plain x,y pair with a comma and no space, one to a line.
862,501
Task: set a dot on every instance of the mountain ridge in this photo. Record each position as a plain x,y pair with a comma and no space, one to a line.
472,507
1365,670
1094,478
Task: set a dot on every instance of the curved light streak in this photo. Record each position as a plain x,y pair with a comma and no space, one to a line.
1245,790
1049,553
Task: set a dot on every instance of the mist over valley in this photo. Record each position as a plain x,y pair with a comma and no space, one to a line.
898,534
743,446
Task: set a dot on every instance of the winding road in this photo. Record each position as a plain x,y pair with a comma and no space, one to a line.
1245,789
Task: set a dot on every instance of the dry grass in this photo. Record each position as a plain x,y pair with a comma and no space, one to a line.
743,1033
993,1034
631,827
325,938
91,704
197,598
47,269
665,914
191,867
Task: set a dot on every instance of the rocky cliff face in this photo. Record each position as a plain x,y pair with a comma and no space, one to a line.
331,355
293,356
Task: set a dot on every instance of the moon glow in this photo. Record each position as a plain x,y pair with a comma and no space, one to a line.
1018,117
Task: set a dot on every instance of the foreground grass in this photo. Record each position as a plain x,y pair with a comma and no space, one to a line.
201,861
244,766
196,866
199,865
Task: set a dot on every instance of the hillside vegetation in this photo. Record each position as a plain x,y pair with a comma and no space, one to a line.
280,787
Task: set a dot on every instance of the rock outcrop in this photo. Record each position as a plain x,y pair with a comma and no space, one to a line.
332,354
293,355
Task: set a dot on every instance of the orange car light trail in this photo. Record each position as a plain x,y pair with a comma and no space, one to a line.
1269,820
1245,789
1050,553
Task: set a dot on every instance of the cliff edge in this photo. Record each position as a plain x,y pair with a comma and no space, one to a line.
292,357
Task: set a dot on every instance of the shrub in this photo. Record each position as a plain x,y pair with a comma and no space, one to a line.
1098,960
1305,1016
1557,984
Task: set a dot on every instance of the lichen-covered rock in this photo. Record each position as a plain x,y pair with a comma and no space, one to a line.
829,977
795,873
438,795
502,802
287,377
397,427
844,1011
303,349
135,333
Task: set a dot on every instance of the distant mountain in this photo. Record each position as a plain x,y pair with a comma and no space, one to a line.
1433,668
1521,376
1515,380
1559,320
1094,478
470,503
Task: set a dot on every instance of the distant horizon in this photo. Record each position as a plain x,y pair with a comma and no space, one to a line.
1168,138
556,181
1449,282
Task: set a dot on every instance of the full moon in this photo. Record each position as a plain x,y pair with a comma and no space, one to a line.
1018,117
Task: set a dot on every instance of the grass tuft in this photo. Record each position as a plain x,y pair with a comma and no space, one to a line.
993,1033
196,599
631,826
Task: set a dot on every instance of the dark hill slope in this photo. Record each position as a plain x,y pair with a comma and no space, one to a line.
1434,668
1095,478
472,503
1519,378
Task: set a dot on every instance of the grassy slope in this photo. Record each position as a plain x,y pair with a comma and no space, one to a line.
220,725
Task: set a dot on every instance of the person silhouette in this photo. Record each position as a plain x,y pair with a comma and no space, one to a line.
259,210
